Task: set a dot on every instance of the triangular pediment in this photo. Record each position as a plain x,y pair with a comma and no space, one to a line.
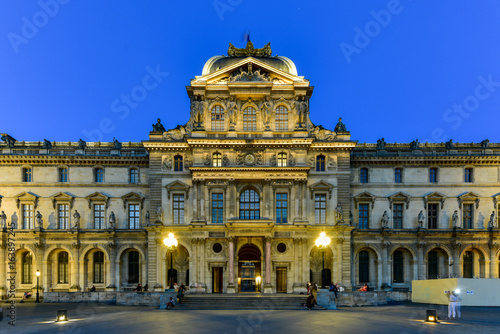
177,186
365,196
26,197
97,197
400,197
496,198
321,186
132,197
468,197
62,197
434,197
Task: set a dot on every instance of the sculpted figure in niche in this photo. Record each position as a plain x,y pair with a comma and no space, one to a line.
301,106
491,223
232,109
454,219
225,160
198,105
147,218
167,163
39,219
421,219
112,220
76,217
159,213
339,214
266,112
3,220
385,220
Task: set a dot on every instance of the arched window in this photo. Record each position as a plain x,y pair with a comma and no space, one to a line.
134,175
178,165
216,159
217,118
27,269
398,266
281,159
320,163
133,267
364,267
432,265
249,119
62,267
363,175
281,122
99,175
99,267
249,204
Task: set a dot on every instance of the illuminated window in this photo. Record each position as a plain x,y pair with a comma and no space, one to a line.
216,159
281,159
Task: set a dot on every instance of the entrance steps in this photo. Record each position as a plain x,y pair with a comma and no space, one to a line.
244,301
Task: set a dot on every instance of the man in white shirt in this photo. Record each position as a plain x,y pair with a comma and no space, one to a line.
452,302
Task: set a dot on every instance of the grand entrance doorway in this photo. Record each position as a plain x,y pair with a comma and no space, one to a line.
249,268
281,279
217,279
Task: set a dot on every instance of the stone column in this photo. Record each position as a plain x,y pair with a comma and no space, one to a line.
420,260
493,261
75,270
4,284
201,191
112,267
233,199
385,270
195,200
231,287
303,195
267,286
456,258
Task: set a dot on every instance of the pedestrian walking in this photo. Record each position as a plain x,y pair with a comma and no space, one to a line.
308,287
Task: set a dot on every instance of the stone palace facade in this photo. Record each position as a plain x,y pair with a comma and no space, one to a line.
246,186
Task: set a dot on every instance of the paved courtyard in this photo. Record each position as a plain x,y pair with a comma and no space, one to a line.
98,318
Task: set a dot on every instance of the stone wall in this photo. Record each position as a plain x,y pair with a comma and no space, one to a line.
370,298
118,298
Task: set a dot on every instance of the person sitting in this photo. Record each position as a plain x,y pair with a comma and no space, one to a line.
364,288
310,302
139,288
146,287
334,289
92,289
170,303
26,295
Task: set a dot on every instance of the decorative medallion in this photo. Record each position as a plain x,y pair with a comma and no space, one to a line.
250,159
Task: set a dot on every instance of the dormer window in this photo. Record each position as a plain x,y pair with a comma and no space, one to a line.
178,165
281,121
217,118
249,119
216,160
281,159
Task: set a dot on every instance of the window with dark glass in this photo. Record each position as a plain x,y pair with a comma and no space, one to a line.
63,216
363,175
432,215
281,208
363,216
398,266
432,265
468,213
63,175
178,165
27,175
249,204
281,121
217,118
62,267
27,269
133,267
98,267
28,214
216,160
398,175
468,176
364,267
178,208
134,176
433,175
320,208
320,163
281,159
99,175
217,208
397,215
468,265
134,216
249,119
99,216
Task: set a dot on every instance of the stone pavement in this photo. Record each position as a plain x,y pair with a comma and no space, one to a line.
98,318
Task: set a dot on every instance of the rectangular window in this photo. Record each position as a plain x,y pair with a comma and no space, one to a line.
178,209
27,175
320,163
217,118
62,270
28,214
63,175
398,266
468,212
99,216
397,215
217,208
468,265
433,175
320,208
363,175
281,208
99,175
432,265
134,176
98,267
63,216
398,175
432,216
468,176
133,216
249,119
364,216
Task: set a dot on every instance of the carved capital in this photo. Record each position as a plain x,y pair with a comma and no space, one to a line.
386,244
493,245
76,245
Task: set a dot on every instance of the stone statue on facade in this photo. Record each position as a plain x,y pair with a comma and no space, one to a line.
3,220
249,50
158,127
232,110
198,106
340,127
159,213
148,217
339,214
454,219
492,222
273,162
351,218
319,133
39,219
415,145
82,144
167,163
301,106
266,113
177,134
8,140
384,222
421,219
116,144
449,145
485,144
47,144
381,144
112,220
291,160
225,160
76,217
207,161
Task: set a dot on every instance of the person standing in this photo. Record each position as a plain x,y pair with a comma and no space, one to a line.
452,303
308,287
458,305
314,291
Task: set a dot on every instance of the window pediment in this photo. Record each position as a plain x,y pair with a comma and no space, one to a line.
177,186
62,197
496,198
434,197
97,197
365,197
27,197
132,197
321,186
468,197
400,197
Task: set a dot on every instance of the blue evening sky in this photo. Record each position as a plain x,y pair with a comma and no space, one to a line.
396,69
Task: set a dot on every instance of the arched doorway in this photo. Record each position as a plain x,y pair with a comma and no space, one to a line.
249,268
177,266
321,264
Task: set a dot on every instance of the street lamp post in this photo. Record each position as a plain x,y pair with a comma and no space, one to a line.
171,243
37,281
322,242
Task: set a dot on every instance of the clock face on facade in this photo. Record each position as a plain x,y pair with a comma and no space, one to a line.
249,159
